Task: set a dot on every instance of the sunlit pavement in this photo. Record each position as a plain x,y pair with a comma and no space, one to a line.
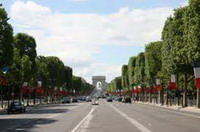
105,117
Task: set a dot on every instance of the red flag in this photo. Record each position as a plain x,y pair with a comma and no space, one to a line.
3,80
39,90
157,87
148,90
197,83
30,90
197,76
24,90
173,82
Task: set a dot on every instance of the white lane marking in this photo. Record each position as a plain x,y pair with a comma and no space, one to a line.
85,124
84,119
131,120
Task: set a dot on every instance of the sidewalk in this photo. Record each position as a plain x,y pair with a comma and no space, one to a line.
173,107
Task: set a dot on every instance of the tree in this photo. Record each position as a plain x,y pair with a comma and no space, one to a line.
26,45
118,81
6,40
26,68
153,62
192,36
55,69
131,66
139,70
68,77
175,49
124,75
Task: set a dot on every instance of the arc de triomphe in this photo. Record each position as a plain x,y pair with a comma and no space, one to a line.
99,79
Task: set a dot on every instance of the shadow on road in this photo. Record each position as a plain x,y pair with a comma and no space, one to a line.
48,111
22,125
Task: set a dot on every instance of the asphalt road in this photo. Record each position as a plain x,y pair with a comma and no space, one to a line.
105,117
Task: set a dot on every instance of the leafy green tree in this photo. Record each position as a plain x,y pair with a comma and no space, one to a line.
139,70
26,68
6,40
192,24
153,62
55,69
131,67
68,77
124,75
77,83
176,48
26,45
118,82
42,70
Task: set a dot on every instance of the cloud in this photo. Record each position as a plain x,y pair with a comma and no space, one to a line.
76,38
184,3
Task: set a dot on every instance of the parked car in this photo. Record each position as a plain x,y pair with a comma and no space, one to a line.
66,100
126,99
119,99
109,99
16,106
74,100
88,99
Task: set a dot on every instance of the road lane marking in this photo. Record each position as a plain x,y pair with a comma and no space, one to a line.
85,124
131,120
86,118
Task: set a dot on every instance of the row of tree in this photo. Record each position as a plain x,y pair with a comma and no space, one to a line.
23,72
176,54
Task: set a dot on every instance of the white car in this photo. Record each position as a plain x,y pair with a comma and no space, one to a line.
95,101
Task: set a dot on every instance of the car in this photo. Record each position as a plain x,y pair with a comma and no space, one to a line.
95,101
74,100
126,99
83,98
66,100
109,99
16,106
119,99
88,99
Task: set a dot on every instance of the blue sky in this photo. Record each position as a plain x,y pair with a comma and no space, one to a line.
99,6
95,37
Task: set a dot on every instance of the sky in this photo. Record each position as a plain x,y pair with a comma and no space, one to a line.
94,37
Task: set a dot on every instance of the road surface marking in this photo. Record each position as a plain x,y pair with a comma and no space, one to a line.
131,120
87,118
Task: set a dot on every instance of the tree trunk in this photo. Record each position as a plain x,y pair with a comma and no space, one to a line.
185,91
198,98
2,97
167,103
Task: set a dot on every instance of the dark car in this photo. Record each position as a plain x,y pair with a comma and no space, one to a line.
66,100
109,99
74,100
16,106
119,99
126,100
